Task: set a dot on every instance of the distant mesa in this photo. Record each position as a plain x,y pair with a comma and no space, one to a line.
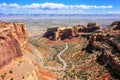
61,33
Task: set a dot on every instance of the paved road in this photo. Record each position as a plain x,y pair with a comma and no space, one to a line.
34,51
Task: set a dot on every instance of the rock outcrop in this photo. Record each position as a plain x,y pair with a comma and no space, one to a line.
60,33
116,25
13,36
111,60
108,55
113,29
91,27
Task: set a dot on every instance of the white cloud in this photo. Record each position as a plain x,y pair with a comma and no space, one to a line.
34,5
52,6
3,5
62,6
13,5
7,6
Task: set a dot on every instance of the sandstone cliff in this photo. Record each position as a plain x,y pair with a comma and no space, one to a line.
12,37
60,33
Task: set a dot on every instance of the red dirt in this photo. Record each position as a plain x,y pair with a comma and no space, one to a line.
71,40
48,75
50,42
105,76
86,65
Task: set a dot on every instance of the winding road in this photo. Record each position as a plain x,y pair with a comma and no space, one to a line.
34,51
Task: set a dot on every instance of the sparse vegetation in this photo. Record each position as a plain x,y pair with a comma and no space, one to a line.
23,77
117,38
81,64
10,71
11,78
3,75
19,63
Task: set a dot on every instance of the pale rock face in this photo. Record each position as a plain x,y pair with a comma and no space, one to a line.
32,76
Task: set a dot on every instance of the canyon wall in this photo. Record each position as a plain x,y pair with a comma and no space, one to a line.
13,37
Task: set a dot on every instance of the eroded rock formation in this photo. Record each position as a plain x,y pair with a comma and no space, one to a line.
60,33
13,36
91,27
113,29
111,60
108,55
116,25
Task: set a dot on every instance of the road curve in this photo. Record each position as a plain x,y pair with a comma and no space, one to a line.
48,67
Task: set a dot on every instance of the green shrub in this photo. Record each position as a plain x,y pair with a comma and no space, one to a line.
117,38
11,78
3,75
10,71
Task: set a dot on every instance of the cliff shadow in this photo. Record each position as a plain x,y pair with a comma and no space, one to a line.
104,62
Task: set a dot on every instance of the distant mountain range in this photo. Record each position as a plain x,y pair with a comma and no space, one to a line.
62,16
59,14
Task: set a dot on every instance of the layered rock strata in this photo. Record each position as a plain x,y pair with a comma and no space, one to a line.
13,37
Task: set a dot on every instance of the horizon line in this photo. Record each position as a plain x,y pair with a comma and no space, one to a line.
61,14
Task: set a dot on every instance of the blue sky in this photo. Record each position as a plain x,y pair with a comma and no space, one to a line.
60,6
